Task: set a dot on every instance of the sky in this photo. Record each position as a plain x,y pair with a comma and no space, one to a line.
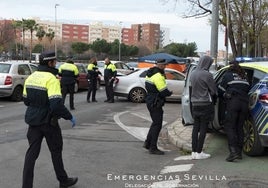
113,12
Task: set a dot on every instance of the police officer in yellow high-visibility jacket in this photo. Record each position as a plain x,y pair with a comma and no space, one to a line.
92,74
68,72
109,78
157,91
42,96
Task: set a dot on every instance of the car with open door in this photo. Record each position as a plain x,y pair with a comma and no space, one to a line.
256,125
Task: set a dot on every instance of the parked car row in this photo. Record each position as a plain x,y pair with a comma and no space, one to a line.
12,77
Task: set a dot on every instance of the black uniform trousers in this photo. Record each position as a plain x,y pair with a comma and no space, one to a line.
68,88
54,141
202,116
109,88
92,87
156,114
236,113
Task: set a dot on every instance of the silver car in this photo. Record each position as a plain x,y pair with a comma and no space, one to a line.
121,68
12,78
132,86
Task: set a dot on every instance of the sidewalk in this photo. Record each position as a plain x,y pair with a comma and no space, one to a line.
181,136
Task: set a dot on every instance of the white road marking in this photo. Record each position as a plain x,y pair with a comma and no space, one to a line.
138,132
146,117
2,106
176,168
184,157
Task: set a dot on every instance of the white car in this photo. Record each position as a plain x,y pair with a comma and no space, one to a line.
132,86
121,68
12,77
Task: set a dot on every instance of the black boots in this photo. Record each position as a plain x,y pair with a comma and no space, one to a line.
234,154
69,182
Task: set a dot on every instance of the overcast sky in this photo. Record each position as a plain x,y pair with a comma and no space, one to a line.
114,11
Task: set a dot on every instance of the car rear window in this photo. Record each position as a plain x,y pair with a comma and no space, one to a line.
4,68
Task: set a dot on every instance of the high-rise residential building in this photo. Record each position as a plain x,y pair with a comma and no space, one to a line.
100,31
148,35
75,33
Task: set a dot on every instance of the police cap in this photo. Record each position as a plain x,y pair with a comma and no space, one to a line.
45,57
161,62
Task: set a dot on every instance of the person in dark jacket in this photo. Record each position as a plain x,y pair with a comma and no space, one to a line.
68,73
42,96
93,74
234,89
203,98
157,91
109,78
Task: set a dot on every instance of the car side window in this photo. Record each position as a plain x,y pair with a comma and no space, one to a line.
4,68
171,75
34,68
143,74
24,69
257,76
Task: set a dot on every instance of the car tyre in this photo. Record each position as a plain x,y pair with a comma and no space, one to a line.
252,144
137,95
17,94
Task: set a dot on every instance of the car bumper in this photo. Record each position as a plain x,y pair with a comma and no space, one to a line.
264,139
5,92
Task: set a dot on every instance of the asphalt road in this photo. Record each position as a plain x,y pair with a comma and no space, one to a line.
105,151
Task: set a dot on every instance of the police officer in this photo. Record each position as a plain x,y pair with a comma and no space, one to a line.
109,78
68,72
93,74
42,96
157,91
234,89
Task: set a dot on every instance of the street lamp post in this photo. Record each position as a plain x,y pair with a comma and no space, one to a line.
55,37
119,47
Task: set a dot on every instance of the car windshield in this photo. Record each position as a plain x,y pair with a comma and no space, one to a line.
4,68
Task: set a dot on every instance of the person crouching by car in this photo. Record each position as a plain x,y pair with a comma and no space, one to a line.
203,98
93,74
234,88
157,91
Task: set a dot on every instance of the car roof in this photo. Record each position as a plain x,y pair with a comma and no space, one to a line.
259,65
16,62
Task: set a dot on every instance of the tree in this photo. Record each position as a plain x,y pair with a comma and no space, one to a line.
50,35
100,46
181,50
247,19
40,33
79,47
31,25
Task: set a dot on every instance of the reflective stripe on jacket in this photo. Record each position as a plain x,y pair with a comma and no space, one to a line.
109,71
42,96
68,73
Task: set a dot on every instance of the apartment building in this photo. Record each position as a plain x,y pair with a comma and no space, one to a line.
148,34
75,33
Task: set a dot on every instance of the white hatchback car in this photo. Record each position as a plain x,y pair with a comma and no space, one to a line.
12,77
121,68
132,86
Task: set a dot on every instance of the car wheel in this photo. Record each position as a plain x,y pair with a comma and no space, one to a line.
17,94
76,87
137,95
252,145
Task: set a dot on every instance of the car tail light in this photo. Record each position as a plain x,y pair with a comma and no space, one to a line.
8,80
264,98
